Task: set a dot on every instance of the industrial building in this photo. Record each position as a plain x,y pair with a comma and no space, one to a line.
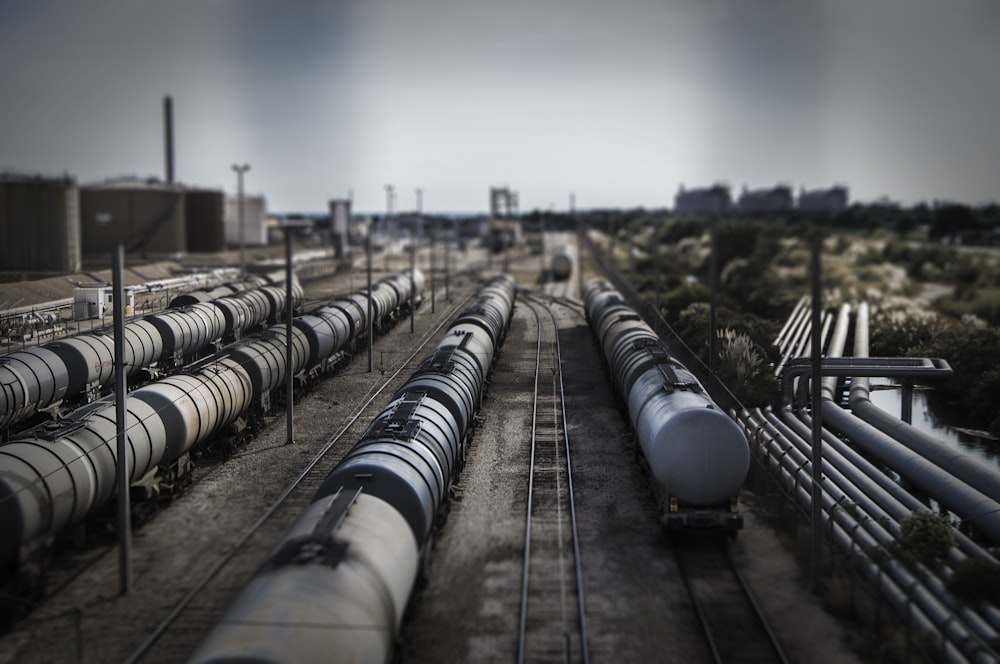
714,199
775,199
833,199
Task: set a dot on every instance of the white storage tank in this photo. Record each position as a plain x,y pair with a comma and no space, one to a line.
254,221
39,224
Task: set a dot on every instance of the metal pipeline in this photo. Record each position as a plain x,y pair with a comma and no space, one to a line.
881,508
964,467
846,533
860,537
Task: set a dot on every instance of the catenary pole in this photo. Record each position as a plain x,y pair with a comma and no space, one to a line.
124,506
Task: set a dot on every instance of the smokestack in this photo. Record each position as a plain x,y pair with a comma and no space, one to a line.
168,136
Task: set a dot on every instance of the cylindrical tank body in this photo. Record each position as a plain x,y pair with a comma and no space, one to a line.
204,213
52,482
334,588
259,305
39,225
696,453
89,359
194,406
30,379
402,467
453,378
384,300
254,221
184,331
143,345
236,313
147,216
562,263
355,313
399,465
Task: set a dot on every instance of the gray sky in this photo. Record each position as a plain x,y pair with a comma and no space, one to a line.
619,101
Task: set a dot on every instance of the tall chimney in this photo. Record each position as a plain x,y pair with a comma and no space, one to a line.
168,136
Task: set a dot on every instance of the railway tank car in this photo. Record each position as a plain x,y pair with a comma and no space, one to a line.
46,379
54,476
561,264
341,578
697,455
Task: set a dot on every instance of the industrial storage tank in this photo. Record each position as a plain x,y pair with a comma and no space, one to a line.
254,221
204,212
39,224
145,215
340,222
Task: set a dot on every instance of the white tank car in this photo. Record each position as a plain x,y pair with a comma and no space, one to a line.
334,588
562,263
696,453
698,456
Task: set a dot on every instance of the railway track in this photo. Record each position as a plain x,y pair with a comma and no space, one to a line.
733,624
552,625
182,630
89,542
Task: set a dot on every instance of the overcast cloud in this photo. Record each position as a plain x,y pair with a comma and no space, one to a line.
619,102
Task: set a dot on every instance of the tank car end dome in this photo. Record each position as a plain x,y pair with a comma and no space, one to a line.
700,456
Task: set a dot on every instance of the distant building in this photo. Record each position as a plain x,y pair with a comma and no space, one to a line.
776,199
714,199
503,202
833,199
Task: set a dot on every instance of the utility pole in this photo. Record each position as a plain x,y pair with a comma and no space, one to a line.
579,244
368,252
124,507
289,310
447,260
713,267
389,198
817,411
413,267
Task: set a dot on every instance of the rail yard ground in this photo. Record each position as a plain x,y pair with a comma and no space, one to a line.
636,606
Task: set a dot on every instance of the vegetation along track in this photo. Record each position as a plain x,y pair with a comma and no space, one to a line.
732,622
191,618
552,624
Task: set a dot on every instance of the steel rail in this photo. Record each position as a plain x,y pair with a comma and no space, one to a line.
720,552
557,369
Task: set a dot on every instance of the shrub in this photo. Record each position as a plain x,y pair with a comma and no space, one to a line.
926,536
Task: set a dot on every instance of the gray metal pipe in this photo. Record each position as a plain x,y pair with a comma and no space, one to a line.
964,467
873,492
971,505
891,496
961,641
867,498
980,510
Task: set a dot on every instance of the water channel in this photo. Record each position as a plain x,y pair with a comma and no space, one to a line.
888,396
